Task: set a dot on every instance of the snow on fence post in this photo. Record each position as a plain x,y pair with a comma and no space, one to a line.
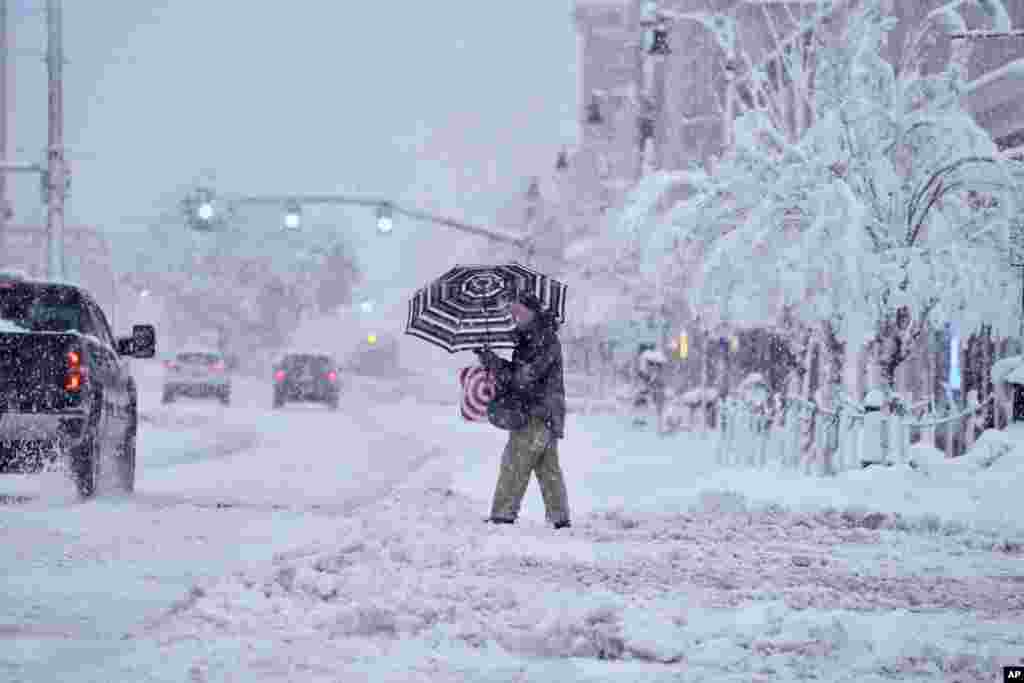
851,442
782,420
951,437
724,445
764,431
830,443
899,440
807,433
972,421
792,456
928,433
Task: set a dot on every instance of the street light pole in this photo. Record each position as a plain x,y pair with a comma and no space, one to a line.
55,168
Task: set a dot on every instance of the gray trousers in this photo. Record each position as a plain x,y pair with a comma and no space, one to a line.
533,449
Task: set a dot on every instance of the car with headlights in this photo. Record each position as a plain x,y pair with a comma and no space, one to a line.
197,373
306,378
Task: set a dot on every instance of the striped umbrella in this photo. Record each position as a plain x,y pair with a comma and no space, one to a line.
467,307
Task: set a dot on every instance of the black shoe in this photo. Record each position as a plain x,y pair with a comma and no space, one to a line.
563,524
499,520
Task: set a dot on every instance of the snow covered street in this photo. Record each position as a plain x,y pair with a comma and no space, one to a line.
347,551
219,489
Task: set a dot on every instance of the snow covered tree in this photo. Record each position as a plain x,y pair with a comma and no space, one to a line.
891,215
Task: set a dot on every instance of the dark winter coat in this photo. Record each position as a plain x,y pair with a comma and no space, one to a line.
535,371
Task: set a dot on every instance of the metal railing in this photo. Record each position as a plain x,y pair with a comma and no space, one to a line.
802,435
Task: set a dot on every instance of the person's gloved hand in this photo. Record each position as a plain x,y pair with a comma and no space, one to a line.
487,357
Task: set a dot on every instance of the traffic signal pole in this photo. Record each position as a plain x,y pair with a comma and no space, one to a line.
5,108
55,168
380,204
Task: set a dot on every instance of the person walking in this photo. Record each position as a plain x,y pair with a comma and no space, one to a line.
535,374
651,386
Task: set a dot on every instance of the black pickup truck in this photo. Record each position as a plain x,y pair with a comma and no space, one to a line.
66,392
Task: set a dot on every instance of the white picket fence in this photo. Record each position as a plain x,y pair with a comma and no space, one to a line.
804,436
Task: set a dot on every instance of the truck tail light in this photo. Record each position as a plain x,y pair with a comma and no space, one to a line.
332,376
74,375
279,376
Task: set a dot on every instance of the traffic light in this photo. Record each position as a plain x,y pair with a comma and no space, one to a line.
594,116
659,43
734,343
684,345
200,209
293,216
385,223
371,339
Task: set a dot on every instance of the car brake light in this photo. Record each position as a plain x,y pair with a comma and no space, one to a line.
170,365
219,366
74,376
279,375
332,376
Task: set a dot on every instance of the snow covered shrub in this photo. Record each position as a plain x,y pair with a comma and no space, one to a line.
990,447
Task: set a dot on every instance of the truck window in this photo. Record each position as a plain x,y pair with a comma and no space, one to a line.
42,308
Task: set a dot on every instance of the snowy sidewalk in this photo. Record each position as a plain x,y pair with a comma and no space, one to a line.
713,587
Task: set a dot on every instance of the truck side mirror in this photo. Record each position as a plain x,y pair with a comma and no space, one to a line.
142,343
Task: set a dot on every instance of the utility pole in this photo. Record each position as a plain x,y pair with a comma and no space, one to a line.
5,108
55,169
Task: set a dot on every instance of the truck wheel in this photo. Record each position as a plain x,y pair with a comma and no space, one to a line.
278,401
225,397
126,464
332,404
86,465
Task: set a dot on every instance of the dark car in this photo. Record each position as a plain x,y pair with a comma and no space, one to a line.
65,386
307,378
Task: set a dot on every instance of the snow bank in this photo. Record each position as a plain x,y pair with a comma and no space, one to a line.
1002,368
419,586
673,565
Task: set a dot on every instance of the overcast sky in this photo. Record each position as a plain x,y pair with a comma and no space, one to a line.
443,104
